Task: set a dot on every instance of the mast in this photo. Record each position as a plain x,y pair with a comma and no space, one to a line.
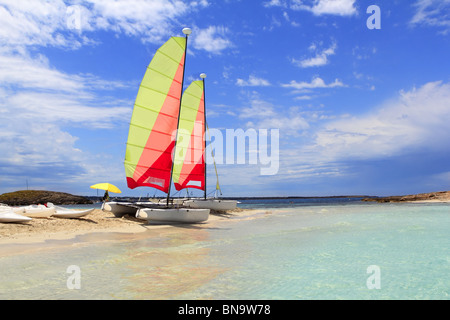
203,76
187,32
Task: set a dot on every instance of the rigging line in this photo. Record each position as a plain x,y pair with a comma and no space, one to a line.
214,160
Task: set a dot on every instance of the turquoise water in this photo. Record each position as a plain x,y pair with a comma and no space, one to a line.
300,250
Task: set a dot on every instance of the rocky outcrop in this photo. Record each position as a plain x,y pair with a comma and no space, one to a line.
437,196
28,197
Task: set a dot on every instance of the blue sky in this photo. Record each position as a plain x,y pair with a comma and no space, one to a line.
359,110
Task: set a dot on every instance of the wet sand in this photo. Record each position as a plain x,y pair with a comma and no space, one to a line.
98,222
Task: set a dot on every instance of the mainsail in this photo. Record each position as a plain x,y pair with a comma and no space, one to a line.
189,160
148,158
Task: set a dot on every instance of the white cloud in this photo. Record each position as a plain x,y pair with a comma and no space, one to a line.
212,39
304,97
26,23
416,119
336,7
38,106
266,116
316,83
33,89
149,19
25,72
153,20
55,23
42,108
253,82
434,13
322,7
274,3
60,108
320,59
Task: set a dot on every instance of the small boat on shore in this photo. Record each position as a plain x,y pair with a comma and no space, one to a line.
65,213
7,215
173,215
120,209
152,157
37,211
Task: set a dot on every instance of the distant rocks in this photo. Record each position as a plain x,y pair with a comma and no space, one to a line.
436,196
28,197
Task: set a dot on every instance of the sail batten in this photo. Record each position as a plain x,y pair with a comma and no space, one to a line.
163,93
147,148
156,131
168,115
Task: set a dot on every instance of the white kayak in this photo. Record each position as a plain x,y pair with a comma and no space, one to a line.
177,215
8,216
38,211
71,213
61,212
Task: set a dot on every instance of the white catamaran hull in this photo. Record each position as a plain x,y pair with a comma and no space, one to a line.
179,215
119,209
213,204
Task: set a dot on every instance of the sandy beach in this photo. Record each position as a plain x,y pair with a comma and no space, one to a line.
41,230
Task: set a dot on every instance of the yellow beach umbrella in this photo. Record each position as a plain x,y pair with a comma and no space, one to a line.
106,186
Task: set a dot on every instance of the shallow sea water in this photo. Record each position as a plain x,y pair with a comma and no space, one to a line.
300,250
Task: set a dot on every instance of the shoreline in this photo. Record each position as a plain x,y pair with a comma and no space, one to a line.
426,201
431,197
101,223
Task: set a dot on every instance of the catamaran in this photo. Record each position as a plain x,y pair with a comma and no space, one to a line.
155,119
192,157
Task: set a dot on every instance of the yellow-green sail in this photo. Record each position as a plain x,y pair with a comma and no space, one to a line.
148,158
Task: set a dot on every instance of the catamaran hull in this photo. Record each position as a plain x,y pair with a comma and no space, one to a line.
119,209
178,215
213,204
